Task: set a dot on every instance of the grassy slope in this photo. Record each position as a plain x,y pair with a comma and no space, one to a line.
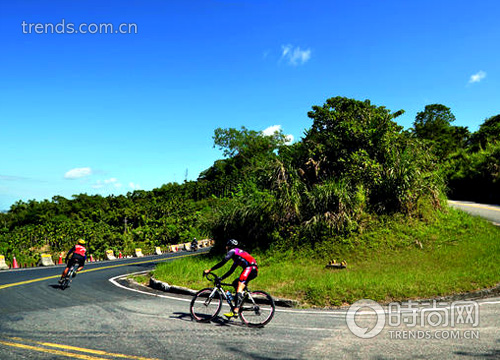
399,259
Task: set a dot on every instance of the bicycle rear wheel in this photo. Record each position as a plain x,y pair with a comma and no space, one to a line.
257,309
206,305
67,279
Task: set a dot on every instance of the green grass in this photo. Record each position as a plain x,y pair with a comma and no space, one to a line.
397,260
141,279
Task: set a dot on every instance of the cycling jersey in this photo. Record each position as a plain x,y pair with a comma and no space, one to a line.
240,258
243,259
80,250
77,252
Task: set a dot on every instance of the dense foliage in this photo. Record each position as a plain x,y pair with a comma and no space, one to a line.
354,163
469,163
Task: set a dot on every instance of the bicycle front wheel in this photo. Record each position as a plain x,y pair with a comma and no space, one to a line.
257,309
65,283
206,305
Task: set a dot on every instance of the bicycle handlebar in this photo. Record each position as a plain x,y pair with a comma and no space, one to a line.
215,279
212,277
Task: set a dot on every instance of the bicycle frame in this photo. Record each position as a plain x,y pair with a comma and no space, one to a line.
256,308
219,287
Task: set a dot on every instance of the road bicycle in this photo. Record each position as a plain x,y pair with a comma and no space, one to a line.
68,278
256,310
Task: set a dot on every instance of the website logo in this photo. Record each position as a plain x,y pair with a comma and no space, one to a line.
412,320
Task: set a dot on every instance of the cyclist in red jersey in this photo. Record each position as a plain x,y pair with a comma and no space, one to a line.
77,254
250,271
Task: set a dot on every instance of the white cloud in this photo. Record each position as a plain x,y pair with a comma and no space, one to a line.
276,128
78,173
107,183
134,186
271,130
98,185
113,182
477,77
295,55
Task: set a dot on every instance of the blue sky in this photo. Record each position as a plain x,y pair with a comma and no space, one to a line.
111,113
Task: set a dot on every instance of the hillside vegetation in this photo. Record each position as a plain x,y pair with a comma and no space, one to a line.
354,170
392,260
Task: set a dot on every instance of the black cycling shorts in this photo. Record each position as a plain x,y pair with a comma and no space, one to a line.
76,258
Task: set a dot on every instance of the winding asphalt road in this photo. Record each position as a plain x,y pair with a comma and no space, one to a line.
489,212
101,319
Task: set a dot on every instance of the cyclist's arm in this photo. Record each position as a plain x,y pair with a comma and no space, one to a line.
228,256
68,256
230,271
219,265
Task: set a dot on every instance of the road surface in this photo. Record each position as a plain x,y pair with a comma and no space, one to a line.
100,319
489,212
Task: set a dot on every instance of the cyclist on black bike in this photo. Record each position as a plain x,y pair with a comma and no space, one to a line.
77,254
194,245
250,271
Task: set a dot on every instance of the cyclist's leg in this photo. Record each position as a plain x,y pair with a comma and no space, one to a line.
80,262
239,286
66,269
246,276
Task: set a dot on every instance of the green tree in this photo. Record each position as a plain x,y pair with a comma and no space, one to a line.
341,128
489,132
433,125
360,143
247,143
250,156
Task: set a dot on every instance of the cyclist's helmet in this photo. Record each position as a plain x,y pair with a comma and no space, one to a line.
81,241
232,243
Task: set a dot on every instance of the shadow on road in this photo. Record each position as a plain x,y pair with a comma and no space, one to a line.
220,321
56,286
182,316
242,352
491,354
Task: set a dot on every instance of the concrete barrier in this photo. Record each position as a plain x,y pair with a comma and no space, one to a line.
138,253
3,264
174,248
110,255
163,286
46,260
205,243
208,242
158,250
186,246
